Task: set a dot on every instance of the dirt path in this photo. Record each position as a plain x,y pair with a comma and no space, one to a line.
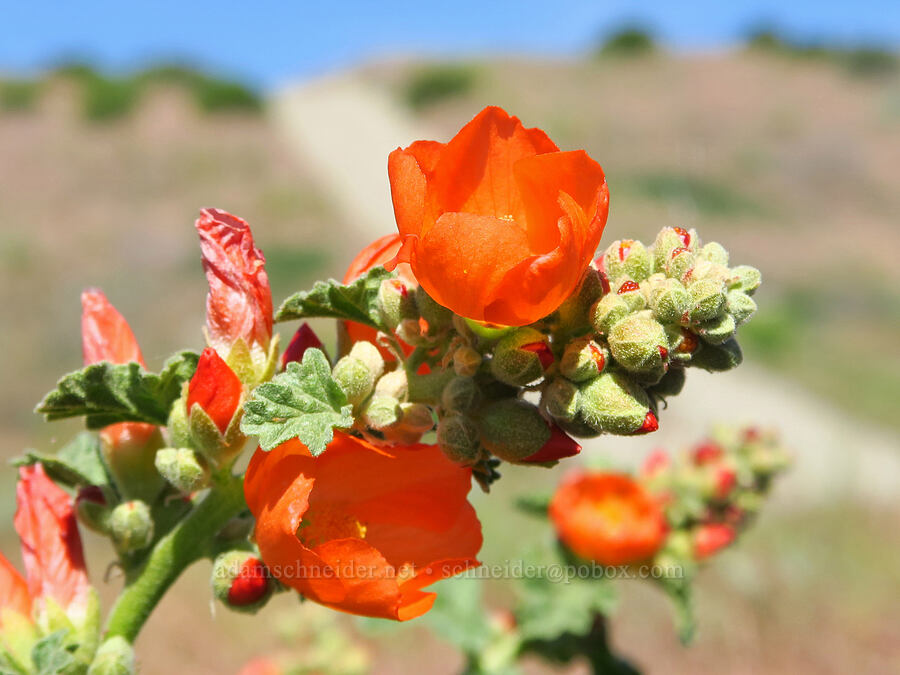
346,128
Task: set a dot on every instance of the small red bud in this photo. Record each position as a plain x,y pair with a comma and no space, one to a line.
726,479
628,287
625,248
305,338
650,424
663,352
711,538
604,282
678,251
751,434
91,493
707,453
250,585
559,445
599,358
543,353
684,235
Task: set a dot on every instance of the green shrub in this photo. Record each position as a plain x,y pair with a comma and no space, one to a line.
629,40
19,95
106,99
215,96
435,83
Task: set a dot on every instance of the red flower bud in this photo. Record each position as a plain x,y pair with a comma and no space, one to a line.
559,446
650,424
250,584
707,453
305,338
624,248
656,461
628,287
91,493
543,353
215,388
679,251
684,235
726,479
711,538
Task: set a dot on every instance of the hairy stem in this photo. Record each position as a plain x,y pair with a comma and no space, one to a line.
186,543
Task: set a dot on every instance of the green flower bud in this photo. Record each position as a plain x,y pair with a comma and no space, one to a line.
466,361
639,343
131,526
607,311
460,395
707,299
670,302
355,378
513,429
744,278
395,303
182,468
583,359
381,412
740,305
437,316
718,358
520,357
457,436
410,331
671,383
574,313
614,404
114,657
630,291
703,269
394,384
241,581
668,239
577,427
560,399
679,263
370,356
415,420
714,252
628,258
717,330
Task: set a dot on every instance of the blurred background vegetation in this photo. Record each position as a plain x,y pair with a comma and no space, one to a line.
784,150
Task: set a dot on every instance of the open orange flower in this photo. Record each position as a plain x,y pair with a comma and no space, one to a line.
363,529
51,550
607,517
498,225
239,303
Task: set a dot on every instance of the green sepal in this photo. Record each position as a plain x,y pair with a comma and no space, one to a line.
330,299
52,654
78,463
303,402
107,393
210,442
252,366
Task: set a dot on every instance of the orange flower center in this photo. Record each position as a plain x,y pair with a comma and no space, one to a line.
325,523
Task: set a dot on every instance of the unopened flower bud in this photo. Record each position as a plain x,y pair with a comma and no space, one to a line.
671,383
559,446
714,252
574,313
711,538
395,303
513,429
740,305
460,395
639,343
718,358
415,420
305,338
381,412
457,436
707,299
704,269
356,373
466,361
520,357
583,359
114,657
680,261
394,384
437,316
182,468
630,291
744,278
560,399
370,355
614,404
241,581
412,331
655,463
628,258
668,239
717,330
131,526
607,311
670,302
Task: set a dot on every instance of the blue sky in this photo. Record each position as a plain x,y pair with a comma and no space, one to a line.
268,43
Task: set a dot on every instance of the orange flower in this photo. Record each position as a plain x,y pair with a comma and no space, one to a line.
607,517
363,529
498,225
51,550
239,303
215,388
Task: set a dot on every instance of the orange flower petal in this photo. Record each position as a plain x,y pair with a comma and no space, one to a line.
13,591
51,544
215,388
105,335
239,303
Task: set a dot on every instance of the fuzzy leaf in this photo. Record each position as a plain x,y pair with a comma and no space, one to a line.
303,402
51,654
330,299
107,393
679,593
78,463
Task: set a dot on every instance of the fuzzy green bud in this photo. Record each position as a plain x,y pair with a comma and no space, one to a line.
628,258
457,436
241,581
668,239
114,657
437,316
395,303
670,301
519,357
381,412
740,305
415,420
613,403
705,270
182,468
583,359
394,384
513,429
639,343
560,399
714,252
718,358
607,311
370,356
679,263
671,383
574,313
466,361
131,526
460,395
356,373
630,292
744,278
707,299
717,330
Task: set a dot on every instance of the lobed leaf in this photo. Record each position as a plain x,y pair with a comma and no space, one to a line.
333,300
78,463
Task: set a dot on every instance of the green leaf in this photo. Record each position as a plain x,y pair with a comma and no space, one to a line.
77,463
303,402
679,592
107,393
330,299
458,615
51,655
535,505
